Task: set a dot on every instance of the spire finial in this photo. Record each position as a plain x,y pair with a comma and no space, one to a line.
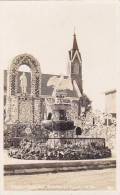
75,46
74,30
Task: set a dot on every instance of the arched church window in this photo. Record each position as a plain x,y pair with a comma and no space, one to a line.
49,116
76,68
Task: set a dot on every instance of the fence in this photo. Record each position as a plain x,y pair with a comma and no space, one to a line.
63,141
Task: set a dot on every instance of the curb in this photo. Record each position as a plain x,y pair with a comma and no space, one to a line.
59,166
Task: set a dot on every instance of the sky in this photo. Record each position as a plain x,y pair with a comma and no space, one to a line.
45,30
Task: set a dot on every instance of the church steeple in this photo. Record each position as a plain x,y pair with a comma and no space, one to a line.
74,49
75,64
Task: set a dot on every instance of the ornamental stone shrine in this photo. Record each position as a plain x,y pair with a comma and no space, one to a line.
23,105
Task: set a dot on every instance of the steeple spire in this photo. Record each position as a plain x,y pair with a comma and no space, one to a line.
75,45
75,64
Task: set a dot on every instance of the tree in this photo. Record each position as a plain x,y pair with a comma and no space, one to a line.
85,102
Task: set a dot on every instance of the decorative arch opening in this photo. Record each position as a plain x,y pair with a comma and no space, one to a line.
33,64
24,81
24,68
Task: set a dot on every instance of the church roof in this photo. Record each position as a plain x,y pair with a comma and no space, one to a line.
45,90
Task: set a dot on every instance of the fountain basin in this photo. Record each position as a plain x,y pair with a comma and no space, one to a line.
58,125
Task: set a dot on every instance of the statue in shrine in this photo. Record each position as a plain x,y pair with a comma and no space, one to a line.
23,83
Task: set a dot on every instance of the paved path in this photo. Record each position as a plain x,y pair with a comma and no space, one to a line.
83,180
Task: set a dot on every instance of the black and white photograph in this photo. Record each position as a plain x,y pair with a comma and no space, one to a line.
59,68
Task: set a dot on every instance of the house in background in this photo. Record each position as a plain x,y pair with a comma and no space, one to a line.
110,102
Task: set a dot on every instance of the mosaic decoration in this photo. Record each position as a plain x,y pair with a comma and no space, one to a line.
23,106
14,109
37,111
25,112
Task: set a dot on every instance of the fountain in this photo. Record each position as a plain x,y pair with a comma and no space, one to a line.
58,119
61,142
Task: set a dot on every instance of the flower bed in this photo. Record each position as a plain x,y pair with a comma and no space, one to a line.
31,150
